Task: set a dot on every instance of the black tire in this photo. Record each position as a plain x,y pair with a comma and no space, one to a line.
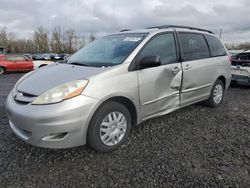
211,100
93,135
2,70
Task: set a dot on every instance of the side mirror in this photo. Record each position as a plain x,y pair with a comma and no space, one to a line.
150,61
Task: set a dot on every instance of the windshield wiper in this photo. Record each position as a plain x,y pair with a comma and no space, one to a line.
77,63
63,62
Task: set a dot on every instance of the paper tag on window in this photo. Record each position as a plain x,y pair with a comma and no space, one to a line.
132,39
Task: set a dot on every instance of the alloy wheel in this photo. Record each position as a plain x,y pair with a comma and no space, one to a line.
113,128
218,93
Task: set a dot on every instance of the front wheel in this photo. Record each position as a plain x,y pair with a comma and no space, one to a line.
109,127
216,95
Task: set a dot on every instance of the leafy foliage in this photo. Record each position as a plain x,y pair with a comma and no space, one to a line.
43,41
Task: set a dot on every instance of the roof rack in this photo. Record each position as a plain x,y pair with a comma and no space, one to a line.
125,30
179,26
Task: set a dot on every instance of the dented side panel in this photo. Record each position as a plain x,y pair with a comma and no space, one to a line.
199,77
159,88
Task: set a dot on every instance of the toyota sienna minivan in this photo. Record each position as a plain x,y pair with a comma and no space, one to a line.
116,82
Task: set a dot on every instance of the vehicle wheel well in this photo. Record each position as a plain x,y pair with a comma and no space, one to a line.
128,104
4,68
223,79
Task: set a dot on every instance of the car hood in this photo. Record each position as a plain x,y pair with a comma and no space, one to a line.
48,77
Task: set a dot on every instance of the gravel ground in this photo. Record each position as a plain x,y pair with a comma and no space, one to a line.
193,147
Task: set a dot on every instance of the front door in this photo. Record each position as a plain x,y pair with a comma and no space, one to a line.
21,63
159,86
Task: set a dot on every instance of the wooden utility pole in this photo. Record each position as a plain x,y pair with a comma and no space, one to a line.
220,33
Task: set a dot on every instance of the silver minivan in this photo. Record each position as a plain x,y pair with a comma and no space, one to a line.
116,82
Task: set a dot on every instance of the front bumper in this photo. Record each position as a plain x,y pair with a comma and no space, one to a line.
35,123
244,80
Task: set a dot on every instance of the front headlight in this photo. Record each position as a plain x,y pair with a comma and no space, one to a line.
62,92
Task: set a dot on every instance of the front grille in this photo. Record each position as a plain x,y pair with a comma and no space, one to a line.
24,97
241,63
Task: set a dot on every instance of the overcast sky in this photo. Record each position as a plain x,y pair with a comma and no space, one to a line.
22,17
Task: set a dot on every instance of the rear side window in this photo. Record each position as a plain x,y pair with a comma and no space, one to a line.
9,58
216,48
193,46
162,45
18,58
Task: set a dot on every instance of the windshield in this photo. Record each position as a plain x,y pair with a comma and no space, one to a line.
107,51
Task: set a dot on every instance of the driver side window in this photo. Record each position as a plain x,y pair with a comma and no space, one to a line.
9,58
19,58
163,46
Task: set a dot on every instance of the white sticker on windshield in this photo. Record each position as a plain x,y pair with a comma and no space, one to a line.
132,39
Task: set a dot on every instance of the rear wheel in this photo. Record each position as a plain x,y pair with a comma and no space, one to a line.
2,70
216,95
109,127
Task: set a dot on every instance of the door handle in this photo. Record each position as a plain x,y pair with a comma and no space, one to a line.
176,69
187,67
